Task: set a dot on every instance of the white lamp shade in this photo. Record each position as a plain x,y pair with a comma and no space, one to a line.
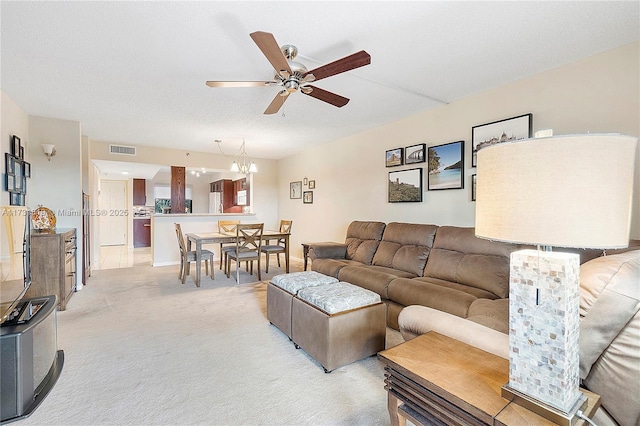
563,191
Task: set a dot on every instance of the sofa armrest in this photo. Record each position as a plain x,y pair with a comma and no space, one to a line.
416,320
327,251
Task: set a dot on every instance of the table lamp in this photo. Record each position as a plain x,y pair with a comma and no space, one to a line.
564,191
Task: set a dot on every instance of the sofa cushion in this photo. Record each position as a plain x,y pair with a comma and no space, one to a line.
331,267
609,330
490,313
362,240
417,292
374,278
459,256
405,246
474,291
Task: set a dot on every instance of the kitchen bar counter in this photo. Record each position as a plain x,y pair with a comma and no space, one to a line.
164,246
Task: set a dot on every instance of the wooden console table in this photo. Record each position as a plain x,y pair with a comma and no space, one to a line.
436,380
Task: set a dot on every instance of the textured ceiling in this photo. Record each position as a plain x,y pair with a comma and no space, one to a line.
134,72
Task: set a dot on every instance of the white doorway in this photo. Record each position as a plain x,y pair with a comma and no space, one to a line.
113,218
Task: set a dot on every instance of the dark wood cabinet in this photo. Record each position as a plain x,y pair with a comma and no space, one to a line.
141,232
53,264
227,190
139,192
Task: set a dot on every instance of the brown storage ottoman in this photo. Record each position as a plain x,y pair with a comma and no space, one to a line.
338,324
281,290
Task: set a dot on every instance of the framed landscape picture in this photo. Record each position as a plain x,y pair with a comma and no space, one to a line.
405,186
394,157
446,166
510,129
414,154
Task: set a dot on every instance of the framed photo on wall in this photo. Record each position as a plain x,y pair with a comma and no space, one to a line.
510,129
312,184
446,166
15,146
405,186
394,157
307,197
295,189
473,187
414,154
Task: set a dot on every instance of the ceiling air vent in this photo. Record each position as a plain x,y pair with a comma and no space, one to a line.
123,150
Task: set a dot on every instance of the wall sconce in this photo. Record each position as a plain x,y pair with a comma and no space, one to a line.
49,150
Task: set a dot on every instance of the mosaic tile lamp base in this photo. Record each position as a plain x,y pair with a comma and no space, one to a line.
544,327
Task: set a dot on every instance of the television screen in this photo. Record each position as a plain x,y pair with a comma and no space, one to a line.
15,262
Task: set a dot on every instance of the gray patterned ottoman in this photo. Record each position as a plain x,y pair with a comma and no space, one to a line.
338,323
281,291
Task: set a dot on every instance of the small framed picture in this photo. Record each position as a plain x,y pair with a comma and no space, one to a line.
414,154
9,163
473,187
10,183
16,199
295,189
307,197
312,184
15,146
446,166
394,157
26,169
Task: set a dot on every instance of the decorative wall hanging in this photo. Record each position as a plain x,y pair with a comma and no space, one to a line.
446,166
473,187
394,157
520,127
405,186
312,184
16,173
414,154
295,189
307,197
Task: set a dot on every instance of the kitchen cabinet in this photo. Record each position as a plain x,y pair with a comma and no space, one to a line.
53,264
227,190
139,192
141,232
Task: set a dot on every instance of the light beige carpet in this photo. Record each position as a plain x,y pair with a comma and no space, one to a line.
143,349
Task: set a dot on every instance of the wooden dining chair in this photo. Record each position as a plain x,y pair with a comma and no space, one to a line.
190,256
247,249
279,247
223,227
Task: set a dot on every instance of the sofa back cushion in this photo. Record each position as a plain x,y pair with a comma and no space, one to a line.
609,330
362,240
405,246
458,256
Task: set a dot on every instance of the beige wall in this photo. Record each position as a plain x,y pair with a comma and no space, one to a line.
57,184
598,94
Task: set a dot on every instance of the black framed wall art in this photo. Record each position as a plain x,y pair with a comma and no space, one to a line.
414,154
510,129
446,166
405,186
394,157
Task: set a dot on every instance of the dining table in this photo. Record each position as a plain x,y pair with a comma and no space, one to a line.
200,238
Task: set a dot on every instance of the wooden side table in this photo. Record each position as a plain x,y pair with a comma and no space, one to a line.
434,379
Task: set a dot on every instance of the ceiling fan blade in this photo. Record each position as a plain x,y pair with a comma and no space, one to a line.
269,47
347,63
326,96
240,83
276,103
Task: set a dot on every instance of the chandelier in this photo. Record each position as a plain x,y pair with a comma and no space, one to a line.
241,164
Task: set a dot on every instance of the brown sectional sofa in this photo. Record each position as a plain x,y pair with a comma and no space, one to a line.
442,267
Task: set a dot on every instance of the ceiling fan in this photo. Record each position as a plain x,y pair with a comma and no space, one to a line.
294,76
